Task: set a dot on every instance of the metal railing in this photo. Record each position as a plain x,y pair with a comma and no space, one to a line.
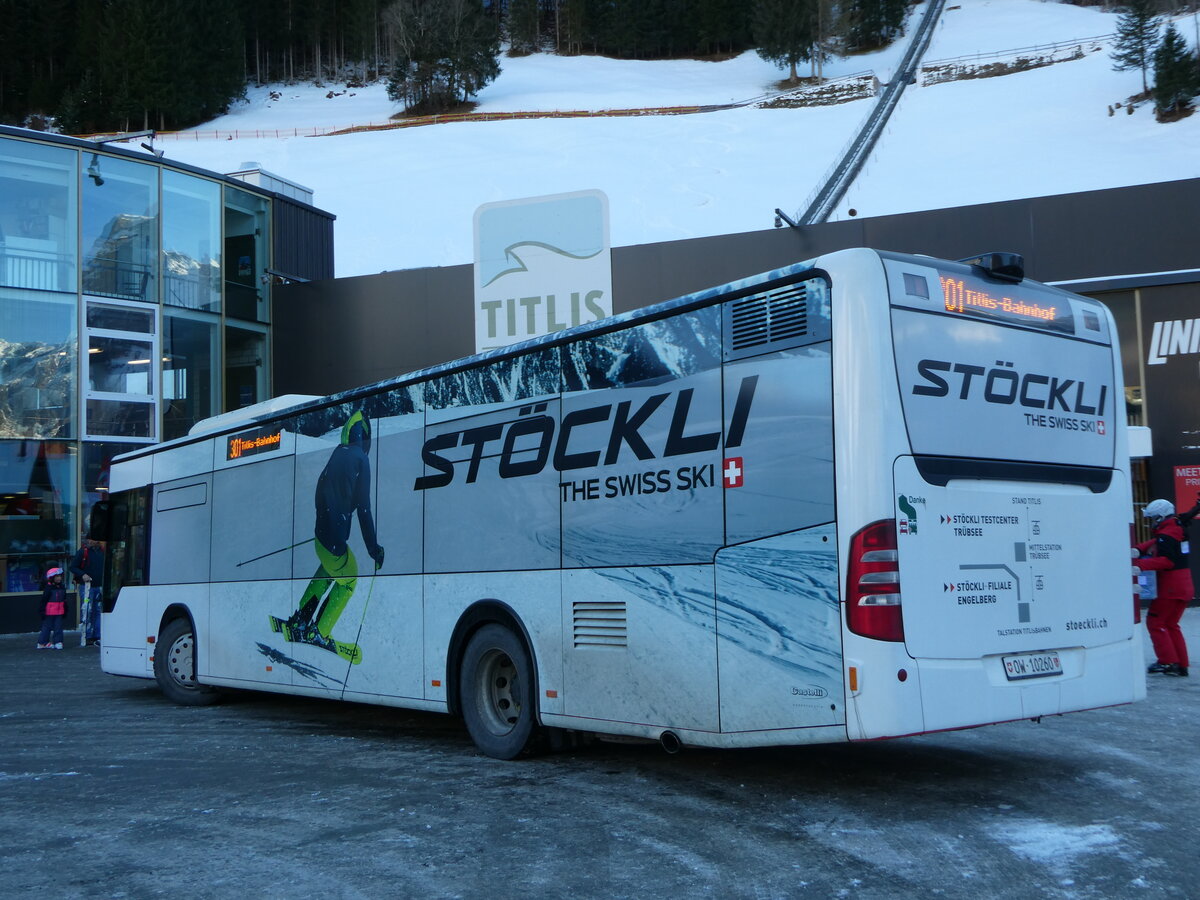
450,118
835,185
1036,49
117,278
36,270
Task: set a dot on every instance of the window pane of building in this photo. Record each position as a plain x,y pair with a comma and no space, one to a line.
119,365
120,418
120,318
37,216
37,364
191,242
245,367
37,495
191,383
120,228
246,245
97,459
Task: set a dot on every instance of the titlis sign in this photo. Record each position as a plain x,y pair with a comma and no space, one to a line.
542,264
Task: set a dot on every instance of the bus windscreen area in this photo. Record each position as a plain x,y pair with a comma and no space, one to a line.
1018,304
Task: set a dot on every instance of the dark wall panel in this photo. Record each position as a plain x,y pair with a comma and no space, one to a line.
303,240
1123,231
20,613
335,335
956,234
342,333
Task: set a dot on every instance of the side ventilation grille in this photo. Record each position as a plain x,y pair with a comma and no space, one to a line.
780,315
599,624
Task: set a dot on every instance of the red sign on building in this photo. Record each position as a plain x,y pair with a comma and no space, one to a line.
1187,487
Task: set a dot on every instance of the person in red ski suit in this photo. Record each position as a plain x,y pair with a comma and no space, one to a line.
1166,554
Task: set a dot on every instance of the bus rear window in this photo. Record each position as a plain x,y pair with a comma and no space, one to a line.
973,387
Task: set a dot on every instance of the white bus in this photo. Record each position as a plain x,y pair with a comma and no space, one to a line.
865,496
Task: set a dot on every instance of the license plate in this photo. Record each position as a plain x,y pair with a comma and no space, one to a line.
1031,665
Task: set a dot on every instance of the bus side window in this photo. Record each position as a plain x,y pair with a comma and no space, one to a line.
182,530
647,403
127,532
98,521
490,434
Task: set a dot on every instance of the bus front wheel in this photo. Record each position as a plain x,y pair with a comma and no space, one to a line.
497,692
175,666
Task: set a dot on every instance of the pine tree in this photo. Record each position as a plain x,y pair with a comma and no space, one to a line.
1137,33
786,32
82,107
218,70
445,51
357,19
47,45
1175,80
523,26
128,67
722,25
869,24
572,26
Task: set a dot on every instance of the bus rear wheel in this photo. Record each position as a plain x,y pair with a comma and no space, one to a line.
496,693
175,666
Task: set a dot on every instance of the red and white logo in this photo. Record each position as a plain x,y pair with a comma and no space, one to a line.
1100,426
732,471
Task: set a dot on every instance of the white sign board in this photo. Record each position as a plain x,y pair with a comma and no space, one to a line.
542,264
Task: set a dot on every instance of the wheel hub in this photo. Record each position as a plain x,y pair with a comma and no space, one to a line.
181,661
499,692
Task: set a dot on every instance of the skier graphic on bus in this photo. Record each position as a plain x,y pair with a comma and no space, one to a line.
343,489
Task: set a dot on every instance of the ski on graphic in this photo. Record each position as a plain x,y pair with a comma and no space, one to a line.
294,634
310,672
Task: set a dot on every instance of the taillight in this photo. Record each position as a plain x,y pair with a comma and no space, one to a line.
873,583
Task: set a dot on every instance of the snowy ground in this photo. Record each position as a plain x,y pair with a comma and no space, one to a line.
300,797
405,198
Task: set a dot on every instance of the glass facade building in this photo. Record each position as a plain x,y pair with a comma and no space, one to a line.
135,299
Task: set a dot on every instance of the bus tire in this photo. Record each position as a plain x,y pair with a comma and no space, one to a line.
496,693
175,666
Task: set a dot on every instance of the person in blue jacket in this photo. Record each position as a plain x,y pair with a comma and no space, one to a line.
343,492
87,565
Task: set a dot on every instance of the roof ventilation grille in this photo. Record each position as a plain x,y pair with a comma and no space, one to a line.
775,316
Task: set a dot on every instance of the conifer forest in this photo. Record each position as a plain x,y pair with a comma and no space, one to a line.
86,66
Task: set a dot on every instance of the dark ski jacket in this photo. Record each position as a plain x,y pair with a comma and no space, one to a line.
1166,557
88,561
343,488
51,593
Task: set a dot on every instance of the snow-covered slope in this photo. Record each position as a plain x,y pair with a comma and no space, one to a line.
405,198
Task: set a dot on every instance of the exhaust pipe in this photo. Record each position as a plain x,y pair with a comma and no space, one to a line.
670,742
